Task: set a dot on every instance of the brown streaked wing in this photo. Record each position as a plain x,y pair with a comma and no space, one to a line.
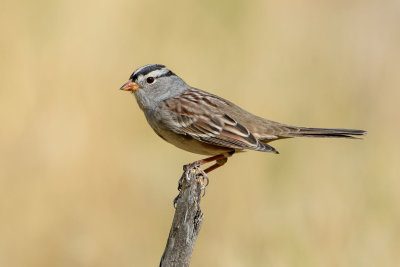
207,124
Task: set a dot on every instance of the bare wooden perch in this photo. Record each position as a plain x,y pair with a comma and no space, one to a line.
187,221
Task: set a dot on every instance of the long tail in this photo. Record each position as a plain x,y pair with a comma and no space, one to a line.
324,132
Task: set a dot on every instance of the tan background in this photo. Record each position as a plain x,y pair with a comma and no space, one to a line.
85,181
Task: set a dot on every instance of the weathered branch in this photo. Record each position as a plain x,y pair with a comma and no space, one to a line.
186,223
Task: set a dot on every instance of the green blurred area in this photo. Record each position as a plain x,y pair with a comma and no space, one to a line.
85,182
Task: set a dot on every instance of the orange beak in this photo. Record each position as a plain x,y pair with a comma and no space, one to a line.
130,86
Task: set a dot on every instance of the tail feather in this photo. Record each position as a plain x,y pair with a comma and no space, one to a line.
324,132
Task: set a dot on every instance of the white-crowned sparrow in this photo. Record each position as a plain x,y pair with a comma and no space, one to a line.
203,123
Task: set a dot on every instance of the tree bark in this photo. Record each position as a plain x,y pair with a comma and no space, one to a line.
187,221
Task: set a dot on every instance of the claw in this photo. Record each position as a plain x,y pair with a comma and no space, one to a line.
204,175
203,180
203,188
201,177
220,159
200,180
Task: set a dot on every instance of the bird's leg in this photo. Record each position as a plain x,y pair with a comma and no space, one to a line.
218,163
198,163
220,159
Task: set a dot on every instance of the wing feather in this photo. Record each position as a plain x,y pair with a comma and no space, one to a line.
197,118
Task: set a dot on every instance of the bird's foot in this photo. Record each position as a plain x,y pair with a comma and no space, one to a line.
196,165
193,165
202,179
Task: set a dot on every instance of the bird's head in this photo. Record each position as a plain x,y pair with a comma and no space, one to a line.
153,83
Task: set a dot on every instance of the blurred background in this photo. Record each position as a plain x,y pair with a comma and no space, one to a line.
84,181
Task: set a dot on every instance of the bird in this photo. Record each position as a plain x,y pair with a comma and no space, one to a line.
203,123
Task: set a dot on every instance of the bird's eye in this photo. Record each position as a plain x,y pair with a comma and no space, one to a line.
150,80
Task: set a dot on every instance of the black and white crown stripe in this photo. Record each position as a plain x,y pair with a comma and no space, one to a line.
153,70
